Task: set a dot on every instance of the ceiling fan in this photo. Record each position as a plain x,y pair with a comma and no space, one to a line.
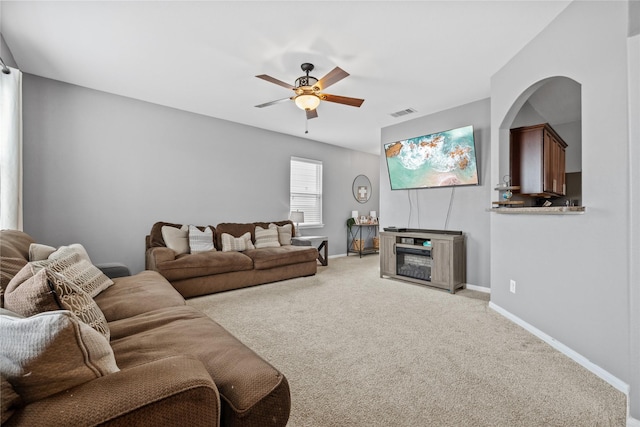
308,90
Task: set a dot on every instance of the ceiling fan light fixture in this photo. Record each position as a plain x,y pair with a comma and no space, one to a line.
307,102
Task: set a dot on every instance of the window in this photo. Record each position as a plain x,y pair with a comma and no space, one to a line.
306,189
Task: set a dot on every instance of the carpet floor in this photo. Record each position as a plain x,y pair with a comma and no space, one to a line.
359,350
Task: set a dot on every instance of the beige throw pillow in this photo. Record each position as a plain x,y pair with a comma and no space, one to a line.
50,352
200,241
284,234
39,252
35,290
72,264
237,244
29,293
176,238
267,238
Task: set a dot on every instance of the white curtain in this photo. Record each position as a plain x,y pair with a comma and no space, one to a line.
11,150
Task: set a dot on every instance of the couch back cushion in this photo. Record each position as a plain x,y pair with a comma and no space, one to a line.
237,229
15,244
155,236
14,254
156,240
279,224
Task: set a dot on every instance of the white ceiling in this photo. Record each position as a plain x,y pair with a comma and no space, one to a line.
202,56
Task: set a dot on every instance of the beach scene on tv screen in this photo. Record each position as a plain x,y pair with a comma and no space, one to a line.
437,160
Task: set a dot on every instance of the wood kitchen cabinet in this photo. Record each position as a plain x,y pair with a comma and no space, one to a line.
537,161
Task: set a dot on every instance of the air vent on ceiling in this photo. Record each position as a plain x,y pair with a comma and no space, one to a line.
403,112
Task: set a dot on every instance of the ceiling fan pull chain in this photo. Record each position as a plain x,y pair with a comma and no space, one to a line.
306,125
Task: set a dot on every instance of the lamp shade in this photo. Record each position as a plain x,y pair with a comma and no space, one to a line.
307,102
297,217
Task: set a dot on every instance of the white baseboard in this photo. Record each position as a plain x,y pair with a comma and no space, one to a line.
632,422
575,356
478,288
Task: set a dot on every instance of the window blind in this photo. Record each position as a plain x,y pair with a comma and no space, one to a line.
306,189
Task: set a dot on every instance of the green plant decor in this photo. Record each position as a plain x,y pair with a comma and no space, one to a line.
350,222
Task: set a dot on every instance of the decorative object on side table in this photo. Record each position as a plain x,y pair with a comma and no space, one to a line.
297,217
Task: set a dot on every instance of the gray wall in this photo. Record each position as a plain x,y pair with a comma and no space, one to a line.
572,272
427,208
101,169
6,55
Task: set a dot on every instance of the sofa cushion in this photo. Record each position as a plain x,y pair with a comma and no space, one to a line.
204,264
15,244
241,243
10,400
267,238
284,255
176,239
35,290
148,289
9,267
50,352
14,254
243,378
200,239
234,229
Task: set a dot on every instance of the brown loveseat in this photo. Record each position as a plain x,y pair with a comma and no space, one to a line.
175,365
201,273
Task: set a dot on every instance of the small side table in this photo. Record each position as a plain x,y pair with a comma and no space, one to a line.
307,240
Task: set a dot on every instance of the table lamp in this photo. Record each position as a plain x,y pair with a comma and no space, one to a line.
296,217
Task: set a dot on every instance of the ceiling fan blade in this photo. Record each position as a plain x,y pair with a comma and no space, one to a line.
266,104
276,81
354,102
312,114
332,77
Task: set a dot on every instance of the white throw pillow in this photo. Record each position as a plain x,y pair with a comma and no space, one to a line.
237,244
176,238
50,352
200,241
267,238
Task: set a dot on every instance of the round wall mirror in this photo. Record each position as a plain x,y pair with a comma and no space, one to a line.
362,188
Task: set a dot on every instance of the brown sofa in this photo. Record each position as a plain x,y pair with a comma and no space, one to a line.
176,365
202,273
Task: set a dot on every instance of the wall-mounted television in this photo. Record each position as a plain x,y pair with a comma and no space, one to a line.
442,159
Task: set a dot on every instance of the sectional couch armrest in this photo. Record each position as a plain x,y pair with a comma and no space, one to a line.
114,269
157,255
166,392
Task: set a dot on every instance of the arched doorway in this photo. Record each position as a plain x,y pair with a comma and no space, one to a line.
558,102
